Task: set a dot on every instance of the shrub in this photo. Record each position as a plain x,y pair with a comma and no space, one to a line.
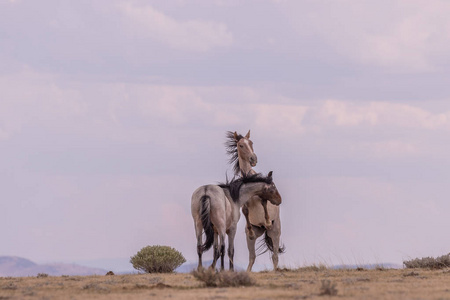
223,279
440,262
328,288
157,259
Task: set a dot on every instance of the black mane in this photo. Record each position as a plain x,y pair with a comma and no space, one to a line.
231,146
234,186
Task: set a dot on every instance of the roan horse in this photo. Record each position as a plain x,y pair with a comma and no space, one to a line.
215,210
261,219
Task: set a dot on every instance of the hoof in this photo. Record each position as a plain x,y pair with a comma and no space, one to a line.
251,235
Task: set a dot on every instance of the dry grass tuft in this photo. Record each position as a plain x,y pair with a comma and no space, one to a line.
413,274
315,268
380,268
440,262
328,288
223,279
95,287
284,269
10,286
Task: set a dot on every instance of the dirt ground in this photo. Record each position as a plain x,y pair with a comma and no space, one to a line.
305,283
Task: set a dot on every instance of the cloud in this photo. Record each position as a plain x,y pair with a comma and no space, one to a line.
192,35
42,101
401,36
134,113
378,130
414,40
344,113
286,119
388,148
348,113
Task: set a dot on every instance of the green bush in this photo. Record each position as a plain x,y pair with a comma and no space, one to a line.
157,259
440,262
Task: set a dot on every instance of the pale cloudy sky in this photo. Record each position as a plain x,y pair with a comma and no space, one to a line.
113,112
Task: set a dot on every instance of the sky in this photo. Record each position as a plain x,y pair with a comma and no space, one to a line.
112,112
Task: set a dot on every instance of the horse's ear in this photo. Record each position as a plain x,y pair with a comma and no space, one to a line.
236,137
247,136
270,174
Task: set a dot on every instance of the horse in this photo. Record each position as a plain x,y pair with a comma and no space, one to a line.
261,217
243,158
215,210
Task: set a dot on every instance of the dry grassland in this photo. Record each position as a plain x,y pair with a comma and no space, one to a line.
305,283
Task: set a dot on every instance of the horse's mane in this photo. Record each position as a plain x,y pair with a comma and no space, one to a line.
231,146
234,186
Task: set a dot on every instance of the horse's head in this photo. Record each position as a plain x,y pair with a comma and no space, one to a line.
270,192
245,149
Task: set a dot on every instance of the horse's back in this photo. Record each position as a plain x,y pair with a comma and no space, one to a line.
217,197
218,204
214,193
196,201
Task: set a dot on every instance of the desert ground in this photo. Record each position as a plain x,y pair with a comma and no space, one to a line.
303,283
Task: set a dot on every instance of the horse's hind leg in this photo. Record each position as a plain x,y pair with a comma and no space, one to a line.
249,229
275,236
216,251
222,252
231,235
198,233
231,257
251,247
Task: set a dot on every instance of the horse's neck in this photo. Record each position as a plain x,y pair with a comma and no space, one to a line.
248,190
246,168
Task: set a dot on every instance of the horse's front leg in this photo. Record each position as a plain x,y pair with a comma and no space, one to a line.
268,222
250,232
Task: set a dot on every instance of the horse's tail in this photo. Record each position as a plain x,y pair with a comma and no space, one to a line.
266,244
206,222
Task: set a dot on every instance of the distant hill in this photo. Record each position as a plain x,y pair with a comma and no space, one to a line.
369,266
18,267
187,267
